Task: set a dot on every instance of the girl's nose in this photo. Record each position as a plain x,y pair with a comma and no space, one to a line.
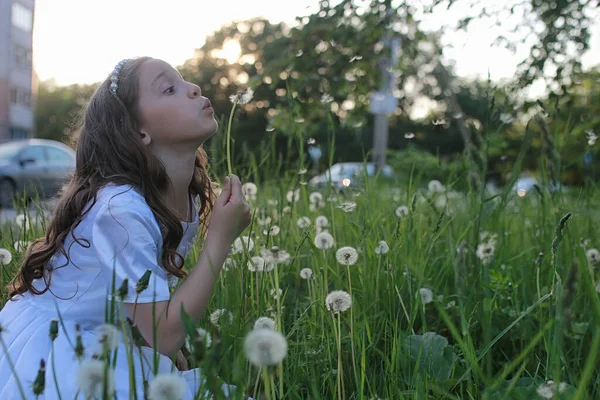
195,91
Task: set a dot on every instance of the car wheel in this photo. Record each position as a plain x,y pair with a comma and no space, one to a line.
7,193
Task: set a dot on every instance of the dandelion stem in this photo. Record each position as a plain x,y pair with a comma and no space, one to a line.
54,372
352,333
12,367
266,382
229,169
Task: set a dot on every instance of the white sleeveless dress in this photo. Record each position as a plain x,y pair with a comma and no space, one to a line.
123,235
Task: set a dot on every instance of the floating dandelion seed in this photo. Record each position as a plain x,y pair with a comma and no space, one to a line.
265,323
302,171
306,273
338,301
324,241
402,211
265,347
382,247
167,387
426,295
347,255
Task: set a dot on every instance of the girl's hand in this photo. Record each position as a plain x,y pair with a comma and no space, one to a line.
231,212
181,362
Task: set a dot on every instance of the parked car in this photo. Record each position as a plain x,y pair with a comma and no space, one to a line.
349,174
524,185
34,167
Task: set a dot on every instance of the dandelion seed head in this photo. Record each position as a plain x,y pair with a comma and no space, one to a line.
293,196
249,190
5,256
273,231
91,376
221,316
265,347
242,97
382,247
338,301
324,241
258,264
228,264
402,211
306,273
347,255
275,255
303,222
316,198
321,222
167,387
435,186
109,336
593,256
238,246
426,295
265,323
276,293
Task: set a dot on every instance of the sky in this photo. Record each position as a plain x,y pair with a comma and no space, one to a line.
80,41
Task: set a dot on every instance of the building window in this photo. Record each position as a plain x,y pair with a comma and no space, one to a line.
23,57
22,17
20,96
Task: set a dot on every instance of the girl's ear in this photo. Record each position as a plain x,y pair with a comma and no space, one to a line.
146,139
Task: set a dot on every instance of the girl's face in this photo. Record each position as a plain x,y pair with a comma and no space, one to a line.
172,111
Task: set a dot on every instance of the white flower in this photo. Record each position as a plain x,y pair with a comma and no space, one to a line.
242,97
426,295
21,245
347,255
275,255
316,198
228,264
593,256
276,293
548,390
591,137
293,196
249,190
485,252
286,210
506,118
382,247
5,257
264,221
167,387
265,323
302,171
402,211
347,206
221,316
109,336
91,376
258,264
273,231
338,301
321,222
303,222
272,202
306,273
238,247
326,98
435,186
265,347
204,337
324,240
488,237
22,221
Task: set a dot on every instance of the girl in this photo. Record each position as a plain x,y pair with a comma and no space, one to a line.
129,207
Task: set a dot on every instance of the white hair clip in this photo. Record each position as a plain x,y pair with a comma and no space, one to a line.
114,79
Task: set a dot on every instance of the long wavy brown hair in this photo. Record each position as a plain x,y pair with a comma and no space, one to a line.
110,150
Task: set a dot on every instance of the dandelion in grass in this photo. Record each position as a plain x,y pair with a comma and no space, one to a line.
324,241
347,206
293,196
264,221
242,97
22,221
21,245
228,264
238,246
306,273
488,237
326,98
276,293
286,210
409,135
402,211
548,390
264,323
347,255
316,198
258,264
167,387
593,256
485,252
272,231
265,347
91,376
303,222
585,243
221,316
202,335
321,222
249,190
591,137
5,257
435,186
338,301
275,255
108,336
382,247
426,295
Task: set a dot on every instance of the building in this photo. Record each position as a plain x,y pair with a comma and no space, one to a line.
17,86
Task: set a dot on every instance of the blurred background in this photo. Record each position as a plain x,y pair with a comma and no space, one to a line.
406,84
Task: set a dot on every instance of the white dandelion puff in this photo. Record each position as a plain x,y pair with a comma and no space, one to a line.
426,295
258,264
315,198
326,98
228,264
435,186
108,336
338,301
485,252
204,336
402,211
91,376
238,246
293,196
276,293
221,316
5,256
286,210
506,118
242,97
382,247
167,387
347,255
265,347
273,231
306,273
275,255
21,245
22,221
324,241
249,190
264,323
548,390
321,222
593,256
303,222
347,206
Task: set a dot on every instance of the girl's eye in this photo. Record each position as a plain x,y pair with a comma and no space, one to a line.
170,90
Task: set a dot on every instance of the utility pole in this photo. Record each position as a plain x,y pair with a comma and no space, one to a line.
383,103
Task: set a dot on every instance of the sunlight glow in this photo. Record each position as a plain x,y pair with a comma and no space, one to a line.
231,51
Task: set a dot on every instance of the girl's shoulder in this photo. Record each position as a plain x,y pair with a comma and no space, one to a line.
122,200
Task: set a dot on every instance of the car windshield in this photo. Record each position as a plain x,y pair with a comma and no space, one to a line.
9,150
